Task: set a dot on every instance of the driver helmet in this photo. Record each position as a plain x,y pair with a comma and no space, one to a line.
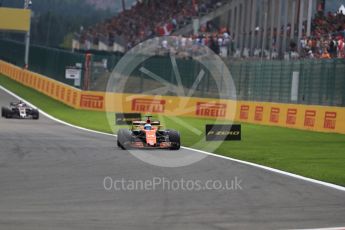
147,127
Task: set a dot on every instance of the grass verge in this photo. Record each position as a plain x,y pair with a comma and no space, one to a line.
316,155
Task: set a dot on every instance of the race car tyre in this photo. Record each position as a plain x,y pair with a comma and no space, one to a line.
35,114
5,112
174,138
123,137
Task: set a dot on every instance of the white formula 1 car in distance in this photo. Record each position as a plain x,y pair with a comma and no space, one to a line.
20,110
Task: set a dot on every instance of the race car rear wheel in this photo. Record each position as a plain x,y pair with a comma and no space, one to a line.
174,138
123,138
3,112
35,114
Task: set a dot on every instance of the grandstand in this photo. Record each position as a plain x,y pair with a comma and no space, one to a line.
246,28
224,27
144,20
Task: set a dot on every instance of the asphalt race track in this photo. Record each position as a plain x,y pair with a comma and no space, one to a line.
51,177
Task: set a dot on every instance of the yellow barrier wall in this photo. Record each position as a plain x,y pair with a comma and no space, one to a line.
306,117
57,90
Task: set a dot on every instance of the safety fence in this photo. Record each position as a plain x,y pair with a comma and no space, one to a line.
317,82
47,61
320,82
306,117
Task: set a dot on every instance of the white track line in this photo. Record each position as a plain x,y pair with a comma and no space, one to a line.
51,117
337,228
337,187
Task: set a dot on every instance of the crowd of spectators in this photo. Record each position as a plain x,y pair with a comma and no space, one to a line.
146,19
195,45
151,18
327,40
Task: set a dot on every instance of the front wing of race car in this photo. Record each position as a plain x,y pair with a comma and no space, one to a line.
150,139
127,139
143,145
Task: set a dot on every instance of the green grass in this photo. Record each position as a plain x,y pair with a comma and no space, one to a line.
316,155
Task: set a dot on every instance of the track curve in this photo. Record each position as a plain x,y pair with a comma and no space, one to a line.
51,177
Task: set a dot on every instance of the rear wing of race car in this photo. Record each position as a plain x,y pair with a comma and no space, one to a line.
140,123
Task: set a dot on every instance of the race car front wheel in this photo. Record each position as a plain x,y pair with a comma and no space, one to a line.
123,138
35,114
174,138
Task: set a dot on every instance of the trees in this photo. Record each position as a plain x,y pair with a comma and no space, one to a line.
53,20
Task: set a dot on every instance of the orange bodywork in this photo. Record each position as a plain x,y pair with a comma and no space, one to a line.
151,138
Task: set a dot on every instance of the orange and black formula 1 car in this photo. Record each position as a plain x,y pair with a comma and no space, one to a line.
148,134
